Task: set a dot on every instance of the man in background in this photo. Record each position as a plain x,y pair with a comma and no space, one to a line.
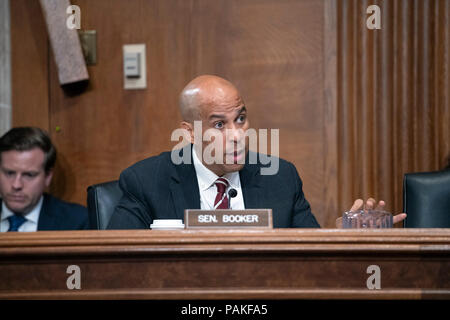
27,158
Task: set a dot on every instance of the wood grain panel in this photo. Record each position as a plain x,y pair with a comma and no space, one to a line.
271,50
106,129
225,264
393,90
29,65
274,53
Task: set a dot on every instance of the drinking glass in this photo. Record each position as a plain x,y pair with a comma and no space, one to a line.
367,219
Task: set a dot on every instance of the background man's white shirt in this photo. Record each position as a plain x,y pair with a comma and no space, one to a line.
208,189
32,218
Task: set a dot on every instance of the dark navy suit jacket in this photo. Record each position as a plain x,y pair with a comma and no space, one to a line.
156,188
60,215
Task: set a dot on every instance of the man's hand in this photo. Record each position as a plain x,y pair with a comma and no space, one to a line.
370,204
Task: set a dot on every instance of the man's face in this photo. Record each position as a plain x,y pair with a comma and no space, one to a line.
225,112
23,179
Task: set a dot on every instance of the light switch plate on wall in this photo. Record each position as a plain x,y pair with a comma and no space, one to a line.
130,50
132,62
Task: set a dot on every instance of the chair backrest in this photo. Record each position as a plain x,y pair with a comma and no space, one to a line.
426,199
102,198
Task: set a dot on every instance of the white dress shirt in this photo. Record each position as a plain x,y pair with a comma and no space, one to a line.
32,218
208,189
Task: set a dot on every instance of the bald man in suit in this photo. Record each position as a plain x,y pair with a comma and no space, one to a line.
159,188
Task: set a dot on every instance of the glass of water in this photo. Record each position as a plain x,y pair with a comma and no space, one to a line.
367,219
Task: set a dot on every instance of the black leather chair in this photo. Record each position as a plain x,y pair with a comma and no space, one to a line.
426,199
102,198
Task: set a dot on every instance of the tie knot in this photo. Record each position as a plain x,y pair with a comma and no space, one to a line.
15,222
221,185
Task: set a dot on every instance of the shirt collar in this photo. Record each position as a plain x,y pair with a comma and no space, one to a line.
32,216
206,177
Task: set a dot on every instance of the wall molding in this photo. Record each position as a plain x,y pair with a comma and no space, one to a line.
392,96
5,70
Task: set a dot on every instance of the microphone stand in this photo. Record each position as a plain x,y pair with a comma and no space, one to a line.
231,194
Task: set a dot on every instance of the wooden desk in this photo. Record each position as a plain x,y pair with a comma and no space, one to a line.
274,264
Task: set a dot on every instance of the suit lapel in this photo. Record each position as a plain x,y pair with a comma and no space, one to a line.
250,185
47,220
184,188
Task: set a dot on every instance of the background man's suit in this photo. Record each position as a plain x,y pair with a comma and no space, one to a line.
60,215
155,188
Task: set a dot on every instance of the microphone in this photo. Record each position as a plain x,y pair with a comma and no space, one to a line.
231,194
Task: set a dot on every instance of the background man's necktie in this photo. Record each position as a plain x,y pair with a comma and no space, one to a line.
15,222
221,201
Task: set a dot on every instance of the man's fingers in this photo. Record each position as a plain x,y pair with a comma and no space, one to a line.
380,205
370,203
357,205
399,217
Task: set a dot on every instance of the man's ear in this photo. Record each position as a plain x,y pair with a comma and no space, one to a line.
48,178
189,128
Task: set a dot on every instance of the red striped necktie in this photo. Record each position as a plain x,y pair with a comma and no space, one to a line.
221,201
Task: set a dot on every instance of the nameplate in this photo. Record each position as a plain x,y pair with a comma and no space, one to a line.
222,218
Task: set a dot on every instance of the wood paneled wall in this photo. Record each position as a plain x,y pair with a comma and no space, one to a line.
393,96
356,108
29,65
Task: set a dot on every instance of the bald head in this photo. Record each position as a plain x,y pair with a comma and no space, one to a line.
203,91
218,106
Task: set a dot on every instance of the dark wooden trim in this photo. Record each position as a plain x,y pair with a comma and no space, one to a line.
226,264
